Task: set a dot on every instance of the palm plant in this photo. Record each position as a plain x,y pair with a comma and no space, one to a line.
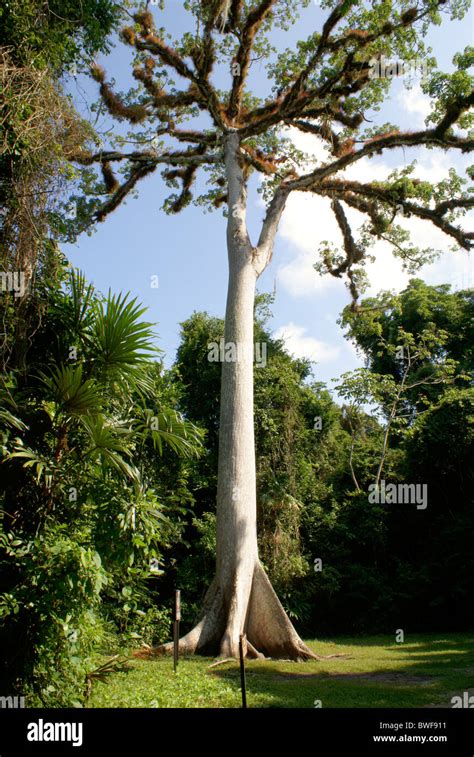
90,400
81,507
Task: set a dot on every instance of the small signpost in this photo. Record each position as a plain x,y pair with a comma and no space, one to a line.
177,618
242,653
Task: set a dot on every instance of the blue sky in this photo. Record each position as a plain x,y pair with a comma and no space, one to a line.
187,251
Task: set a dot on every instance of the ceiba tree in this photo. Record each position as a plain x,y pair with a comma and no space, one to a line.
324,87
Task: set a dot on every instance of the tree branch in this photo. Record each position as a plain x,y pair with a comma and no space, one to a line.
347,189
436,137
254,20
264,250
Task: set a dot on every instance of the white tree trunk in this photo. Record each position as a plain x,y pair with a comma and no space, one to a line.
241,598
237,552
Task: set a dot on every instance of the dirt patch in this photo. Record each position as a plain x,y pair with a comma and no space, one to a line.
385,677
376,677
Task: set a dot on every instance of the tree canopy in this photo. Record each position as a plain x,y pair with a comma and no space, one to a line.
325,87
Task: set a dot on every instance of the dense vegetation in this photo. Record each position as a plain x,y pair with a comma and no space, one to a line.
109,476
85,508
384,566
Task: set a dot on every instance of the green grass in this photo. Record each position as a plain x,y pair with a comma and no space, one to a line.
426,670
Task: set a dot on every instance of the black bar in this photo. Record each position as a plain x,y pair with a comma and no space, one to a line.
243,683
349,731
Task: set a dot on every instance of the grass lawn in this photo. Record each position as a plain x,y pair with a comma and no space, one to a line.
426,670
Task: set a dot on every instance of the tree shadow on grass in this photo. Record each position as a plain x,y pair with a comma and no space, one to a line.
425,673
387,640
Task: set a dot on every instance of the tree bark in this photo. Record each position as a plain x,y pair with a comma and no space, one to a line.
241,598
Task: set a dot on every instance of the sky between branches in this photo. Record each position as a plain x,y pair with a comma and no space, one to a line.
187,251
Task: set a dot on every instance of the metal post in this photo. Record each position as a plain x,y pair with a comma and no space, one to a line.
177,618
243,684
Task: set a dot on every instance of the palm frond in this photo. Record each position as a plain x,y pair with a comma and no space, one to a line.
81,301
108,441
44,467
8,419
120,343
182,436
73,395
116,664
8,407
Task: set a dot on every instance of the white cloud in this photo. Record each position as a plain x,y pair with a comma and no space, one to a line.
308,220
300,279
386,272
302,346
308,143
415,102
455,268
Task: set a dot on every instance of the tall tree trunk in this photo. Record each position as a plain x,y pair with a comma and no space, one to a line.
241,598
237,553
